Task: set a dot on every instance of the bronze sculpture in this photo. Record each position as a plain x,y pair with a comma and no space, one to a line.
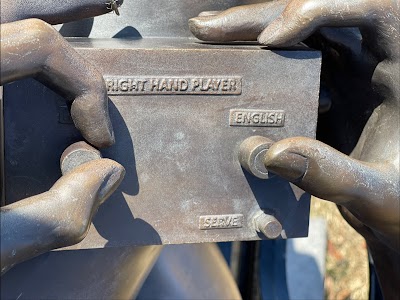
61,216
198,106
124,268
278,157
366,184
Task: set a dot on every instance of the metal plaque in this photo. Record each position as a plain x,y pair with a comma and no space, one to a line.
180,110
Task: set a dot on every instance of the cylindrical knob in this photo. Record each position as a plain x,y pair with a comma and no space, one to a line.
251,155
268,225
76,155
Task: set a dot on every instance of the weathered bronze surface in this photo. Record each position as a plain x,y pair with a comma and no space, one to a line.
77,274
60,216
110,273
367,188
180,111
362,70
32,48
207,276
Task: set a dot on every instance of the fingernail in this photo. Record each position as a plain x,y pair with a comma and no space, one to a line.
288,165
195,26
111,181
195,23
269,36
205,28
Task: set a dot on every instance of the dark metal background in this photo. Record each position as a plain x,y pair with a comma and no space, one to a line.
111,273
179,151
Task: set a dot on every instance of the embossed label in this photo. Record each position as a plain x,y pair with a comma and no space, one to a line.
257,118
120,85
221,221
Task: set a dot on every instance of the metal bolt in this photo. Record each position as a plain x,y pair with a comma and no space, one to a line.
268,225
76,155
251,155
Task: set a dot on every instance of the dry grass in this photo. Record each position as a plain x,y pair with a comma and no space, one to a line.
347,274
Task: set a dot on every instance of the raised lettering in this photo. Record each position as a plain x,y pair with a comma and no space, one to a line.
120,85
154,85
163,85
280,118
235,221
123,85
246,117
225,85
256,118
183,84
239,117
232,84
221,221
195,84
141,85
217,83
207,222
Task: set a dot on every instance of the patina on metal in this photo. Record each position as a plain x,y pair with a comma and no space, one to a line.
60,216
32,48
363,72
176,138
302,164
76,274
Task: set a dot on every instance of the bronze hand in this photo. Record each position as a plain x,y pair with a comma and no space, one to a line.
366,183
60,217
32,48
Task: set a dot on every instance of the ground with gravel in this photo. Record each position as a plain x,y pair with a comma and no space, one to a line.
347,273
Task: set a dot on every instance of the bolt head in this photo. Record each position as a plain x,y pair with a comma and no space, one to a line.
251,155
268,225
76,155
